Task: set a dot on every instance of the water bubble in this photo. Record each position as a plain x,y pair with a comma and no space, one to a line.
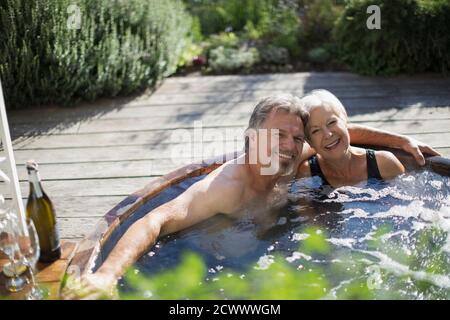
264,262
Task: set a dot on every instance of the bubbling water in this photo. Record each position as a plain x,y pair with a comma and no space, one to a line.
396,232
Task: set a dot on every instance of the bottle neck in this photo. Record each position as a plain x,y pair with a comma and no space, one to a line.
35,183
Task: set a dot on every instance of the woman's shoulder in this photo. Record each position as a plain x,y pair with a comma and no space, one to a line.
388,164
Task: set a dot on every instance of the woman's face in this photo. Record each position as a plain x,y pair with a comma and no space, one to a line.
328,133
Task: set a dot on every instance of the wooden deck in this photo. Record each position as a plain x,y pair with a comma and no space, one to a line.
94,155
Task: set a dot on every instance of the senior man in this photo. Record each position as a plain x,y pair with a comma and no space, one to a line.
237,184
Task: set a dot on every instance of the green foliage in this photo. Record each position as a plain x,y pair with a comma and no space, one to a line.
273,55
413,37
319,20
223,39
187,284
223,59
275,22
315,243
217,15
120,47
354,270
191,51
318,55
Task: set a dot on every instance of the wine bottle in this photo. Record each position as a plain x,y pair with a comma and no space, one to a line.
40,209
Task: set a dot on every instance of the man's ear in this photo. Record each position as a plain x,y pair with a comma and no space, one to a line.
251,136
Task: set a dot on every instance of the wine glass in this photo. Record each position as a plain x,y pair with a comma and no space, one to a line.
29,247
9,246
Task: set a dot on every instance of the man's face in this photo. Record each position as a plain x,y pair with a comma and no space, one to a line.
286,146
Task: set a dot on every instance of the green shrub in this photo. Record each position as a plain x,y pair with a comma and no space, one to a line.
223,39
319,55
216,15
120,47
273,55
319,19
413,37
275,21
222,59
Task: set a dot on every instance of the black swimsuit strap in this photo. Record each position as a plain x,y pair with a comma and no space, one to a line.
373,171
372,167
315,169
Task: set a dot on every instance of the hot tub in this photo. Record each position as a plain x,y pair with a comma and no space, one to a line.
253,248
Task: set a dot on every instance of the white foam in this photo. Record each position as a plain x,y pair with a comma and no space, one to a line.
298,255
398,269
264,262
299,236
342,242
436,184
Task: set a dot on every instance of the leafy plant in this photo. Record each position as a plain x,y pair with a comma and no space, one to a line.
277,279
413,37
119,47
231,59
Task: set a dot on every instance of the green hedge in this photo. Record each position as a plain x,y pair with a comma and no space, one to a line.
121,47
413,37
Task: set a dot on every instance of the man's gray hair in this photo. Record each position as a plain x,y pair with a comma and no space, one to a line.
286,102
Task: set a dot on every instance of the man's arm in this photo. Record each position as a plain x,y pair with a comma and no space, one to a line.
365,135
202,200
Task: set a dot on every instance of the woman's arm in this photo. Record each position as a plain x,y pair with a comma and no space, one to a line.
388,164
365,135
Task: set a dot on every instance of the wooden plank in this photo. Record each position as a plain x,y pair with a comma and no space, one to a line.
55,115
183,152
353,86
94,187
293,81
184,113
129,125
138,125
113,139
52,272
444,151
76,228
103,187
78,207
406,114
97,170
141,168
160,136
343,92
374,97
84,206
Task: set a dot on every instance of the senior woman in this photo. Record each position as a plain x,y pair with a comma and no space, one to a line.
337,162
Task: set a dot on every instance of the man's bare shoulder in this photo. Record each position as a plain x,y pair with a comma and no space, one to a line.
224,188
303,170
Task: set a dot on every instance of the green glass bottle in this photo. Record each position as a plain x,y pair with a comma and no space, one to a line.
40,209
